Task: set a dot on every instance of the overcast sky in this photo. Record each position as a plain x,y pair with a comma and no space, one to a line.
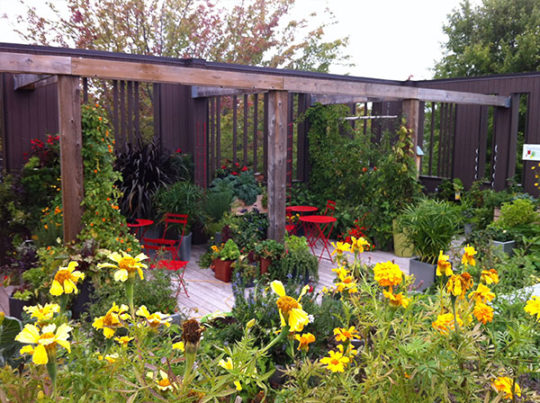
390,39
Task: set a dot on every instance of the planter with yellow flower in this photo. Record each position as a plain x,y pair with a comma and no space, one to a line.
223,258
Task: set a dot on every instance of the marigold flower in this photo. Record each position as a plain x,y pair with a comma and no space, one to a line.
358,245
388,274
226,364
504,384
347,284
238,385
397,299
445,323
336,362
126,265
489,276
112,320
42,313
459,284
110,358
179,346
444,267
483,313
290,310
304,341
344,334
65,280
163,384
123,341
341,272
340,247
482,294
468,256
533,307
45,339
155,319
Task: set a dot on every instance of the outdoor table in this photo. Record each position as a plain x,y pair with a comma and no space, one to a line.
140,223
315,228
293,228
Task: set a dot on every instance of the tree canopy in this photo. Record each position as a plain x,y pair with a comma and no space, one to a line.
499,36
255,32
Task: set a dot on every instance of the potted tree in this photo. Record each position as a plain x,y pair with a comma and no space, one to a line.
223,258
268,251
429,226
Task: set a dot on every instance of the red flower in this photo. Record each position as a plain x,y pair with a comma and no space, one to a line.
244,168
236,164
224,167
374,168
178,150
310,288
234,173
364,169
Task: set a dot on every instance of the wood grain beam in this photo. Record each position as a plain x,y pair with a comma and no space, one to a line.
71,165
411,113
277,163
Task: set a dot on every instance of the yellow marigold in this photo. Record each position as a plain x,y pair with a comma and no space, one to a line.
503,384
347,284
110,358
179,346
163,382
388,274
46,339
483,313
340,247
155,319
459,284
489,276
343,334
341,272
304,341
290,310
65,280
445,323
359,245
533,307
482,294
444,267
397,299
226,364
336,362
238,385
126,265
123,341
42,313
112,320
468,256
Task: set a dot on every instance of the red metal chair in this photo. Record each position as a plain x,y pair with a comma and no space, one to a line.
330,208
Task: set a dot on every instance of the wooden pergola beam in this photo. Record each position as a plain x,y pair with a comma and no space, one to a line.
32,81
252,81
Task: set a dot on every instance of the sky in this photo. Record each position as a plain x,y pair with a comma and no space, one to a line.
390,39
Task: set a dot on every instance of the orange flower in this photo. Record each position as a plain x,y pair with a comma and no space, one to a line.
459,284
489,276
468,256
483,312
443,265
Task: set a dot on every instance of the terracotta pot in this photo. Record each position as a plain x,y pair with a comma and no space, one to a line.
223,269
265,264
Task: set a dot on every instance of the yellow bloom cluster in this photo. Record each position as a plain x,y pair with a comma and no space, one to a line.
65,280
445,323
388,274
459,284
42,313
112,320
444,267
304,340
153,320
533,307
506,386
126,266
290,309
46,339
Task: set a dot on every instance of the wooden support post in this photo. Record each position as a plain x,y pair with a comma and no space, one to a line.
71,165
277,163
411,113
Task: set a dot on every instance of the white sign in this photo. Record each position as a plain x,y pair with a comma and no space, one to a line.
531,152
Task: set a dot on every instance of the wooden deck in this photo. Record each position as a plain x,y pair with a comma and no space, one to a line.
208,295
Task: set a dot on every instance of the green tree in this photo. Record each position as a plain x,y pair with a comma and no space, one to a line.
255,32
499,36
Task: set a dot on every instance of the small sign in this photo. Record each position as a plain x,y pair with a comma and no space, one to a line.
531,152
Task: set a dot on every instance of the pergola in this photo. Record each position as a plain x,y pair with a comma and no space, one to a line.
69,66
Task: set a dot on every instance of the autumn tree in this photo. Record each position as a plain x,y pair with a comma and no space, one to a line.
256,32
499,36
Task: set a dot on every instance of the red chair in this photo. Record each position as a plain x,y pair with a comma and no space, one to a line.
330,208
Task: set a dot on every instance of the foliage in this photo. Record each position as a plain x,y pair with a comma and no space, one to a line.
243,186
430,226
256,33
517,213
180,198
450,189
9,328
229,251
298,264
269,249
492,38
246,229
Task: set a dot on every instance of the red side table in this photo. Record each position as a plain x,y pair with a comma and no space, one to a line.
316,227
140,224
293,228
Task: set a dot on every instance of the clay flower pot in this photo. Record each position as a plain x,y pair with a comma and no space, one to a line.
223,269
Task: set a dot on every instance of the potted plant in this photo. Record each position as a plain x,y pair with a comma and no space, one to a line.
268,251
223,258
20,298
429,227
245,272
297,264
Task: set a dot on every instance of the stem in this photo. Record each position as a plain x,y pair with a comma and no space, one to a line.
456,324
63,303
51,369
284,331
129,295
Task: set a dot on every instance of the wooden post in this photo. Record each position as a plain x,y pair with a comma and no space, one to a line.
71,165
411,113
277,163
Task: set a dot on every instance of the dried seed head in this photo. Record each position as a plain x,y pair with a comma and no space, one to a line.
191,331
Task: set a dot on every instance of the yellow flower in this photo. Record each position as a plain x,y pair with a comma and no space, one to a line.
358,245
42,313
341,272
397,299
45,339
350,350
344,334
336,362
483,312
126,265
110,358
504,384
179,346
489,276
238,385
468,256
482,294
443,265
348,283
445,323
163,384
388,274
340,247
112,320
227,364
290,310
533,307
459,284
155,319
304,341
124,340
65,280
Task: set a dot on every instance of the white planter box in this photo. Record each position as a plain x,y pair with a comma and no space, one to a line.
424,274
